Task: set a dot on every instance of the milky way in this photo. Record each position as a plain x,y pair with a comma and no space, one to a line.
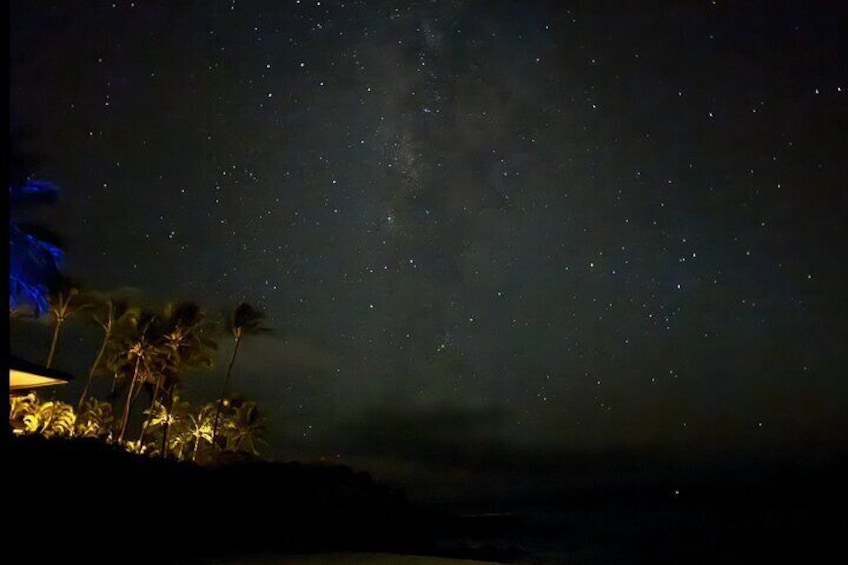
476,227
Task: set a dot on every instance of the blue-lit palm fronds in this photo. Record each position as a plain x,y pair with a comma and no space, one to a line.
34,260
32,192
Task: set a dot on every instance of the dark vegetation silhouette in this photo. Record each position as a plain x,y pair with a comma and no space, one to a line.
236,509
244,321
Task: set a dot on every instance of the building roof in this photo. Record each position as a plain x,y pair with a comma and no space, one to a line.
25,375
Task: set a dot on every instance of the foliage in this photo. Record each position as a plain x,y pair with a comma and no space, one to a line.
191,430
28,415
19,407
161,417
95,420
244,428
244,320
35,254
147,352
195,432
65,302
113,316
33,265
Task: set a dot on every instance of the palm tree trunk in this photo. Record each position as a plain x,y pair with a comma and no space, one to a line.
128,403
196,445
224,392
150,411
166,427
94,368
53,343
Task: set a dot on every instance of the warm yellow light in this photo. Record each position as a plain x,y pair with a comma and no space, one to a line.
19,380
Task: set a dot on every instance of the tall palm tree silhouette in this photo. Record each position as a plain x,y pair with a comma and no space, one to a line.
245,320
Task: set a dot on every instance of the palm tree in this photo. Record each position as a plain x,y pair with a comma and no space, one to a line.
64,304
176,418
157,417
157,365
95,419
200,428
245,320
108,314
49,419
35,253
245,428
136,351
183,346
19,408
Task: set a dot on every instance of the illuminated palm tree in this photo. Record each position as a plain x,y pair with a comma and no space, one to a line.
158,364
95,419
245,428
64,304
186,346
108,314
176,418
245,320
200,428
50,419
137,350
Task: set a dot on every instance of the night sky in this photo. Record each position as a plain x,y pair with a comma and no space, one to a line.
488,235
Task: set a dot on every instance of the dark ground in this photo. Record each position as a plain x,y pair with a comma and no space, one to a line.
87,500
